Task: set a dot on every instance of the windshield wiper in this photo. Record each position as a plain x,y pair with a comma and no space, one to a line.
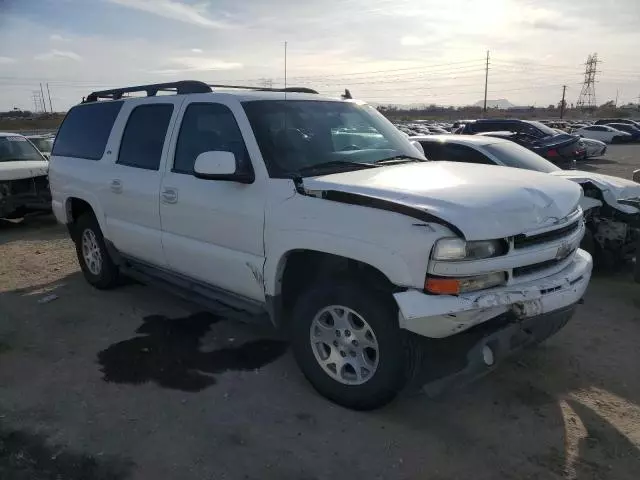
334,163
397,159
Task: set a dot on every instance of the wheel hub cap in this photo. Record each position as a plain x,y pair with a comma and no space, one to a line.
91,252
344,345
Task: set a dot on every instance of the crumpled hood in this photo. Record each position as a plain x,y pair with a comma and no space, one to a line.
612,188
24,169
482,201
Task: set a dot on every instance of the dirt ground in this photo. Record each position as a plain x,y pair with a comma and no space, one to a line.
135,384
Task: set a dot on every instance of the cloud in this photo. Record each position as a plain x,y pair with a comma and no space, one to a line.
196,64
411,41
7,60
194,14
58,54
196,50
57,38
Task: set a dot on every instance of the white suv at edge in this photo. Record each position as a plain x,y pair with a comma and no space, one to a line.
320,215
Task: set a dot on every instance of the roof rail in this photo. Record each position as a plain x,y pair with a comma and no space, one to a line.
266,89
181,87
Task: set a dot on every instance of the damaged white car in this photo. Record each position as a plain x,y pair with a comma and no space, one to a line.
24,185
611,204
318,214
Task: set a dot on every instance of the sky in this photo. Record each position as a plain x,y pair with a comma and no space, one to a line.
384,51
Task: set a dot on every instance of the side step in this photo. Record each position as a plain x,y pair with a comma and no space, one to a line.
214,300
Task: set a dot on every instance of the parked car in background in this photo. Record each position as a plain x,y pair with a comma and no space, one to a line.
551,152
356,250
611,204
44,143
561,148
604,133
628,128
24,185
607,121
594,148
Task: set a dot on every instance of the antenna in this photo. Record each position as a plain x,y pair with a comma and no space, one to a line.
285,70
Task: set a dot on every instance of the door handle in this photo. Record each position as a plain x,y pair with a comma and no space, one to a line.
169,195
116,186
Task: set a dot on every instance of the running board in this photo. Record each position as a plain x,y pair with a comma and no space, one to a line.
215,300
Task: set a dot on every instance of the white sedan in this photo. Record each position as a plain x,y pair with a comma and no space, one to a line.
603,133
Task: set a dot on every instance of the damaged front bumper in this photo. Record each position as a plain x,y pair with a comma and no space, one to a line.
19,197
440,316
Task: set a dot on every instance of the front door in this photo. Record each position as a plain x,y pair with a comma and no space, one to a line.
213,229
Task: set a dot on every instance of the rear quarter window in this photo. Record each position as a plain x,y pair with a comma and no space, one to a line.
85,130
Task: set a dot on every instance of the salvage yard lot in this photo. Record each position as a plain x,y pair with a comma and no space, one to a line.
135,384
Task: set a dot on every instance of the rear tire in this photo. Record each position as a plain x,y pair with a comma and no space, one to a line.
96,264
365,365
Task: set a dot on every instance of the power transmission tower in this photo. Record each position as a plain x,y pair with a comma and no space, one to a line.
37,100
44,103
587,97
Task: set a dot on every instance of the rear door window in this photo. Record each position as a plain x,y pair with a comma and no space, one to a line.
144,136
85,130
461,153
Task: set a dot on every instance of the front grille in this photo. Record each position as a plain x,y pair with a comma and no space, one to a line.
25,185
538,267
523,241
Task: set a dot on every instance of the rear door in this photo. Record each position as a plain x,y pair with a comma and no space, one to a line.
131,190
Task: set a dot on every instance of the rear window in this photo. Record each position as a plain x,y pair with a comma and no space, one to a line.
85,130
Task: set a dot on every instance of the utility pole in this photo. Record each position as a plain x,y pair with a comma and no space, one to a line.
486,83
44,105
616,104
562,103
285,67
49,93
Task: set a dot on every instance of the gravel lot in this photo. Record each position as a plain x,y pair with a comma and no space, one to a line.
135,384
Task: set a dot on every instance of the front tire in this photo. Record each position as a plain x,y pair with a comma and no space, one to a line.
348,344
96,264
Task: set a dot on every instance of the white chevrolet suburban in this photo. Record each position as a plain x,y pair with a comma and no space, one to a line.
319,214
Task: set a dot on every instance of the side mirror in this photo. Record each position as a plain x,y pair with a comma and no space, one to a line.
418,146
219,165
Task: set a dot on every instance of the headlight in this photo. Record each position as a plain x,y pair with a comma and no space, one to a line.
459,249
454,286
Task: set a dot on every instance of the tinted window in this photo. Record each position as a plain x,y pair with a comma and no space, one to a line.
433,150
461,153
144,135
488,127
208,127
85,130
16,148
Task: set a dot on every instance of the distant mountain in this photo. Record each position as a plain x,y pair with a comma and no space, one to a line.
501,103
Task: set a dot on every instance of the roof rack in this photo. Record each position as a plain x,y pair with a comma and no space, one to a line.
180,88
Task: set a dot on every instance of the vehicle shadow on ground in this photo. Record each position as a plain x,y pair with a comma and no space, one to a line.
37,227
553,404
167,352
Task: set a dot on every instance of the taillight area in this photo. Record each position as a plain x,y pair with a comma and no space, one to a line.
553,153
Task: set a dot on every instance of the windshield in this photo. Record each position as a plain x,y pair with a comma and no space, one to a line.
42,144
542,127
16,148
513,155
307,137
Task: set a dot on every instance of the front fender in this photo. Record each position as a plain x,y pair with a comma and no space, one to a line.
387,261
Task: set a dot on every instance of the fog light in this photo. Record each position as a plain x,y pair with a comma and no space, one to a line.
487,355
